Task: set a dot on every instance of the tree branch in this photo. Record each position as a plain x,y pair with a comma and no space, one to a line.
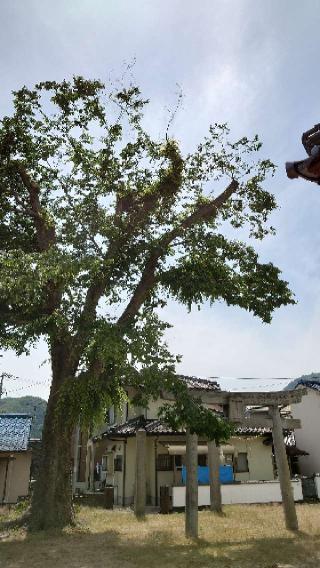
148,278
45,233
168,186
11,317
146,283
209,210
14,315
138,212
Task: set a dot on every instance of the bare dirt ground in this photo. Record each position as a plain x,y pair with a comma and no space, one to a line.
244,537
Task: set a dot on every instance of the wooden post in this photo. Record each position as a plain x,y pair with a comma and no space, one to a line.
140,482
76,439
214,476
191,523
124,472
92,468
156,472
283,471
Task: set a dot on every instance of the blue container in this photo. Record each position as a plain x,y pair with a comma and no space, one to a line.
226,474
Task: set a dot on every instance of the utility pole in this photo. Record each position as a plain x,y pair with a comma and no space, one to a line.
1,386
2,376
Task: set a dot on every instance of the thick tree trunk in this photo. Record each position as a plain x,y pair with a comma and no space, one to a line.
52,498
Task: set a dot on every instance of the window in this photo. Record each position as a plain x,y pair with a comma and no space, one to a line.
228,458
202,459
118,463
164,462
178,461
104,463
242,463
107,463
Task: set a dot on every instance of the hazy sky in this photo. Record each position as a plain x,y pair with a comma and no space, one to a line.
252,63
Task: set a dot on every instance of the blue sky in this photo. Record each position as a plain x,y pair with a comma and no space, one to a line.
251,63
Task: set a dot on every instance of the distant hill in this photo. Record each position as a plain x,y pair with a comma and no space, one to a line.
310,378
33,405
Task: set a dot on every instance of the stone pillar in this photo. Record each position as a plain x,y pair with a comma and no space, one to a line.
283,470
214,476
191,526
140,482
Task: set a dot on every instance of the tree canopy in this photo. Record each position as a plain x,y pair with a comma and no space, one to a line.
100,225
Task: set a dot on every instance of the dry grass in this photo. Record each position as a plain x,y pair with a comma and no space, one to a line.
245,537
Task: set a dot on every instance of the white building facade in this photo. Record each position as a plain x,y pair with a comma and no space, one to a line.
308,436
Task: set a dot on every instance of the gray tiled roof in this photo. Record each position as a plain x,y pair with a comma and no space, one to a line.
14,432
156,427
251,431
200,384
129,428
313,384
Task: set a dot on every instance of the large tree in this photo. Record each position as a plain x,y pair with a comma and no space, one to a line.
100,225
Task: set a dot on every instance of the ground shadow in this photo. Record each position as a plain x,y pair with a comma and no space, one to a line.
112,549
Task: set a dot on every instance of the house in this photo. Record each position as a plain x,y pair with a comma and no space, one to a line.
15,457
308,411
111,453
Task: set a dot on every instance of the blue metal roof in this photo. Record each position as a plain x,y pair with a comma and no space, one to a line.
14,432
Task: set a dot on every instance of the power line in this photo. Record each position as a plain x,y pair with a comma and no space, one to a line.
26,387
3,376
16,378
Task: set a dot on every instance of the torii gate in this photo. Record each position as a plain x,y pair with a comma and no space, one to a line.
236,403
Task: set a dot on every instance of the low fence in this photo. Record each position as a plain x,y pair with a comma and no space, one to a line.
246,492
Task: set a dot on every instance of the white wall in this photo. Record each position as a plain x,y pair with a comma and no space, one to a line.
259,459
154,406
308,439
250,492
18,477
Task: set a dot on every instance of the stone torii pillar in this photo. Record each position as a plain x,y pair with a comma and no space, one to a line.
191,521
214,477
140,480
283,470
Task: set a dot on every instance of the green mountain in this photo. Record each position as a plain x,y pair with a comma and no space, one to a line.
33,405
